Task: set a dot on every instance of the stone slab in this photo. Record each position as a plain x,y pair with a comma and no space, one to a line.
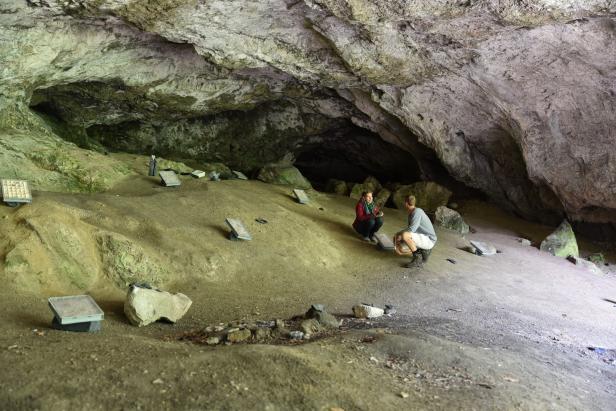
169,179
198,173
239,175
16,191
238,230
75,309
86,327
384,242
483,248
301,196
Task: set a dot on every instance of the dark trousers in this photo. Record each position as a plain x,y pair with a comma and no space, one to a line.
369,227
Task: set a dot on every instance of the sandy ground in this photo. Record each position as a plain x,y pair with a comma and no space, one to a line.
504,332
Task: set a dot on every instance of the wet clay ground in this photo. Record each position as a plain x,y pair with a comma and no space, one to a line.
509,331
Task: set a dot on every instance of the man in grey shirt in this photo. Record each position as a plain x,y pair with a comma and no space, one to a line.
419,236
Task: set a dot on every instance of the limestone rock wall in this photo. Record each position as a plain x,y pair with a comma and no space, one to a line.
511,97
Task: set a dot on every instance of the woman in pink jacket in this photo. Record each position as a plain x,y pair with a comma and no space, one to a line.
368,217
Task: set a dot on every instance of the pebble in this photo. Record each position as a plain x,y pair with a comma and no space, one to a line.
212,341
296,335
404,394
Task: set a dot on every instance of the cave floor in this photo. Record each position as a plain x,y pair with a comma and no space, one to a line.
509,331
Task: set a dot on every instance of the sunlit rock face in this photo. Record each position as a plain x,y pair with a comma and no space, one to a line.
514,98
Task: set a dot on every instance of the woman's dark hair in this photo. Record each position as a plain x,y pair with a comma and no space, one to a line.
364,193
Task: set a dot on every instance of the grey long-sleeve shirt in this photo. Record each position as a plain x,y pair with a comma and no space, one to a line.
420,223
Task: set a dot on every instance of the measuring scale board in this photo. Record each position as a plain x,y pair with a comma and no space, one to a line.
169,178
301,196
240,175
76,313
198,174
384,242
16,191
238,231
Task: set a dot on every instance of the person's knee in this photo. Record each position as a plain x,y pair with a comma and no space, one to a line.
370,223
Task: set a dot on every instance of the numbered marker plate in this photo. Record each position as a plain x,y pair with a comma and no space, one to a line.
301,196
169,178
384,241
239,231
75,309
16,191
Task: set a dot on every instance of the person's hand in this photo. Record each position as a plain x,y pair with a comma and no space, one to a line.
380,214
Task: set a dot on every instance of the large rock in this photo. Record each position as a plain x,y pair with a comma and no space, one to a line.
382,197
144,306
284,175
370,184
337,187
429,195
561,242
450,219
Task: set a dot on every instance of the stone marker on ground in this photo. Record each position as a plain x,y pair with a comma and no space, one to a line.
384,242
450,219
198,173
168,178
301,196
367,311
239,175
76,313
238,231
524,241
561,242
15,192
144,306
483,248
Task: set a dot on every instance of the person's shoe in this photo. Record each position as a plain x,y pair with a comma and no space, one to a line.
373,239
366,239
414,263
424,254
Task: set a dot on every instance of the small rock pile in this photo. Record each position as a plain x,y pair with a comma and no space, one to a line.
315,322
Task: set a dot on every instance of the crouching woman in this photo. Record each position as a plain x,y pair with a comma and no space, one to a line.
368,217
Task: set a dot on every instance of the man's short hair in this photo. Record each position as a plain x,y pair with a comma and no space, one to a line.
410,200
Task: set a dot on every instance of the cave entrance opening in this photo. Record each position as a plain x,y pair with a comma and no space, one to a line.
352,156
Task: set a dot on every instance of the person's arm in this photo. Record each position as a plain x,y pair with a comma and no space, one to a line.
415,220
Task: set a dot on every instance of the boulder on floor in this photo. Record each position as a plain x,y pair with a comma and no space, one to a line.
382,197
337,187
144,306
585,264
428,194
318,312
370,184
561,242
450,219
283,175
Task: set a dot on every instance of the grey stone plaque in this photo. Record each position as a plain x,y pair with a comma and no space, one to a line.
198,174
384,242
483,248
16,191
237,228
240,175
75,309
301,196
169,178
